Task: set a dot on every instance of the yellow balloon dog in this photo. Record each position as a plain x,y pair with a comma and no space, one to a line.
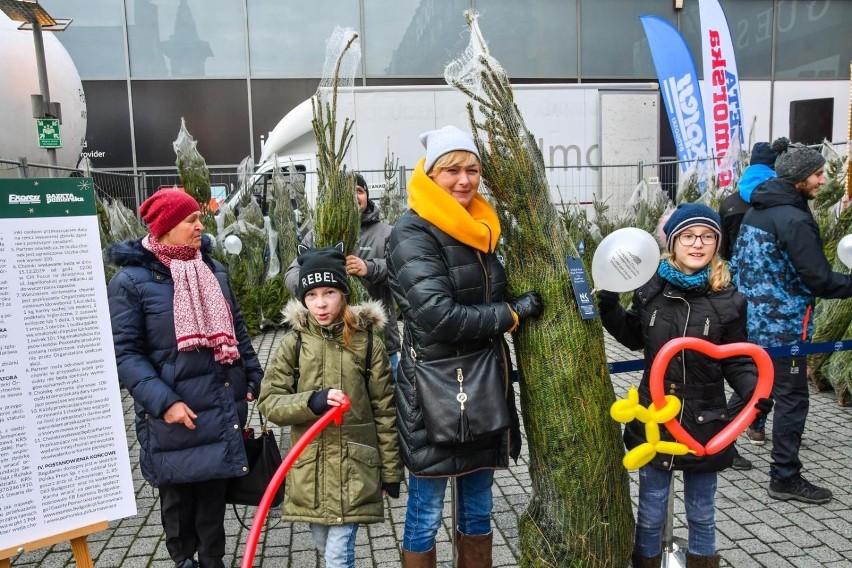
628,409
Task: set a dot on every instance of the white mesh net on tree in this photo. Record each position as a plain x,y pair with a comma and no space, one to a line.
580,512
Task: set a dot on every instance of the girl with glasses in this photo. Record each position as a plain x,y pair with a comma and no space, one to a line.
691,295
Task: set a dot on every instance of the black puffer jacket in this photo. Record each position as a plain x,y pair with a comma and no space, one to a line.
141,305
661,312
452,301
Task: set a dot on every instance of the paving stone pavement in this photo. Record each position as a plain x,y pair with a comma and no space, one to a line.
753,530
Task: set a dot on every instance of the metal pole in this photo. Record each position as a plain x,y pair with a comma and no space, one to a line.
23,168
403,190
673,556
44,88
455,520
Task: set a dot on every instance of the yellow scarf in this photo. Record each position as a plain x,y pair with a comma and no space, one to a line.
476,226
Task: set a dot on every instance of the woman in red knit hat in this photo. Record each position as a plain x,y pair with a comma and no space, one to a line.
184,354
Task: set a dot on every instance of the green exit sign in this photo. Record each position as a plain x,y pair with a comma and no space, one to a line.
48,133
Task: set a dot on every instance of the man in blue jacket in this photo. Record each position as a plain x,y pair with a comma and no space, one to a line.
781,269
761,167
732,210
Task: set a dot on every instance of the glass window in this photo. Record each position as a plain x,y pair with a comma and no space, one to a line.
95,39
413,38
287,37
751,31
613,39
532,39
186,38
812,40
216,114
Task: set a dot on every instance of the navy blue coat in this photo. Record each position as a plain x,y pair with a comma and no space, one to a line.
141,299
780,267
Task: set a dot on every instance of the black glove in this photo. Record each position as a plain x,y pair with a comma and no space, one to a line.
764,406
527,305
392,489
318,403
607,298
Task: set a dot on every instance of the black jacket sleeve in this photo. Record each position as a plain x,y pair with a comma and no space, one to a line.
804,248
624,325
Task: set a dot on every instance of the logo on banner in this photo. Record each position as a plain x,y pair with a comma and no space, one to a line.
689,133
62,198
24,199
726,106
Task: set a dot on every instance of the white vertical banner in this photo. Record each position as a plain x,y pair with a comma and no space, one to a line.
722,102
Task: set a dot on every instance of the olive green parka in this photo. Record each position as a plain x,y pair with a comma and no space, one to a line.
338,478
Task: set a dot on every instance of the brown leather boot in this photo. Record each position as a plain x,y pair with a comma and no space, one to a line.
474,550
419,559
695,561
646,562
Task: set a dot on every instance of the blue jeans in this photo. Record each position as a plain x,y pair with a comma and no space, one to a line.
336,544
426,506
699,498
394,361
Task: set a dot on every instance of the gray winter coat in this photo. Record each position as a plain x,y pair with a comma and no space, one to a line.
371,249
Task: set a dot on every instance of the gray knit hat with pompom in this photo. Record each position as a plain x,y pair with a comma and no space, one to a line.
796,162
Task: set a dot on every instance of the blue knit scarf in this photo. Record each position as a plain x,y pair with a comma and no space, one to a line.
668,272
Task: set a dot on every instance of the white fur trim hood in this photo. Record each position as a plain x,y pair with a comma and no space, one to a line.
369,314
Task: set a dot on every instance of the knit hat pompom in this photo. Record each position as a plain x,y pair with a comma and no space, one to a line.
443,141
675,221
763,154
322,267
164,210
780,145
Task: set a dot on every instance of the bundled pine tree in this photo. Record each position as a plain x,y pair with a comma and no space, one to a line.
337,217
580,512
391,204
194,174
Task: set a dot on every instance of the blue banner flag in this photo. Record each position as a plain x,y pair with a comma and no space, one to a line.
679,86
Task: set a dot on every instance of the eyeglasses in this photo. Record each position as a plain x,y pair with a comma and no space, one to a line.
688,239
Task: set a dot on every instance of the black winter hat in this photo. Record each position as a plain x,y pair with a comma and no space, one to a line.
360,181
796,162
763,154
322,267
687,215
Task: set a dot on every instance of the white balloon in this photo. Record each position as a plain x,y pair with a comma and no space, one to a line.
233,244
844,250
624,260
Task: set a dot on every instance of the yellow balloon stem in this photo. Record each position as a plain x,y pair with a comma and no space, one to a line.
633,394
652,432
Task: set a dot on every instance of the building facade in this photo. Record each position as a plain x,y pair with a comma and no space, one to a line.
233,68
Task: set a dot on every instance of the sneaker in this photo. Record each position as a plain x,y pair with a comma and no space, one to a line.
756,436
741,463
799,489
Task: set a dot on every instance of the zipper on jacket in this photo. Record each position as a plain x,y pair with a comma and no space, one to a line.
682,358
706,327
653,319
507,362
485,273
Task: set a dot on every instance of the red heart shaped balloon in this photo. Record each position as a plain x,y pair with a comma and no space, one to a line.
765,378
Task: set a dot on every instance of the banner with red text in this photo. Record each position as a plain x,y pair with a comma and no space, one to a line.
722,101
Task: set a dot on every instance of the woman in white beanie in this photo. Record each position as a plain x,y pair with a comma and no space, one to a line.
450,286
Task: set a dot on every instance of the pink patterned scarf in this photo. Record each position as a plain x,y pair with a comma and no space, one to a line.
202,315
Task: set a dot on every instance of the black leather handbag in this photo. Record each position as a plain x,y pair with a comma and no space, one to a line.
264,457
462,398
